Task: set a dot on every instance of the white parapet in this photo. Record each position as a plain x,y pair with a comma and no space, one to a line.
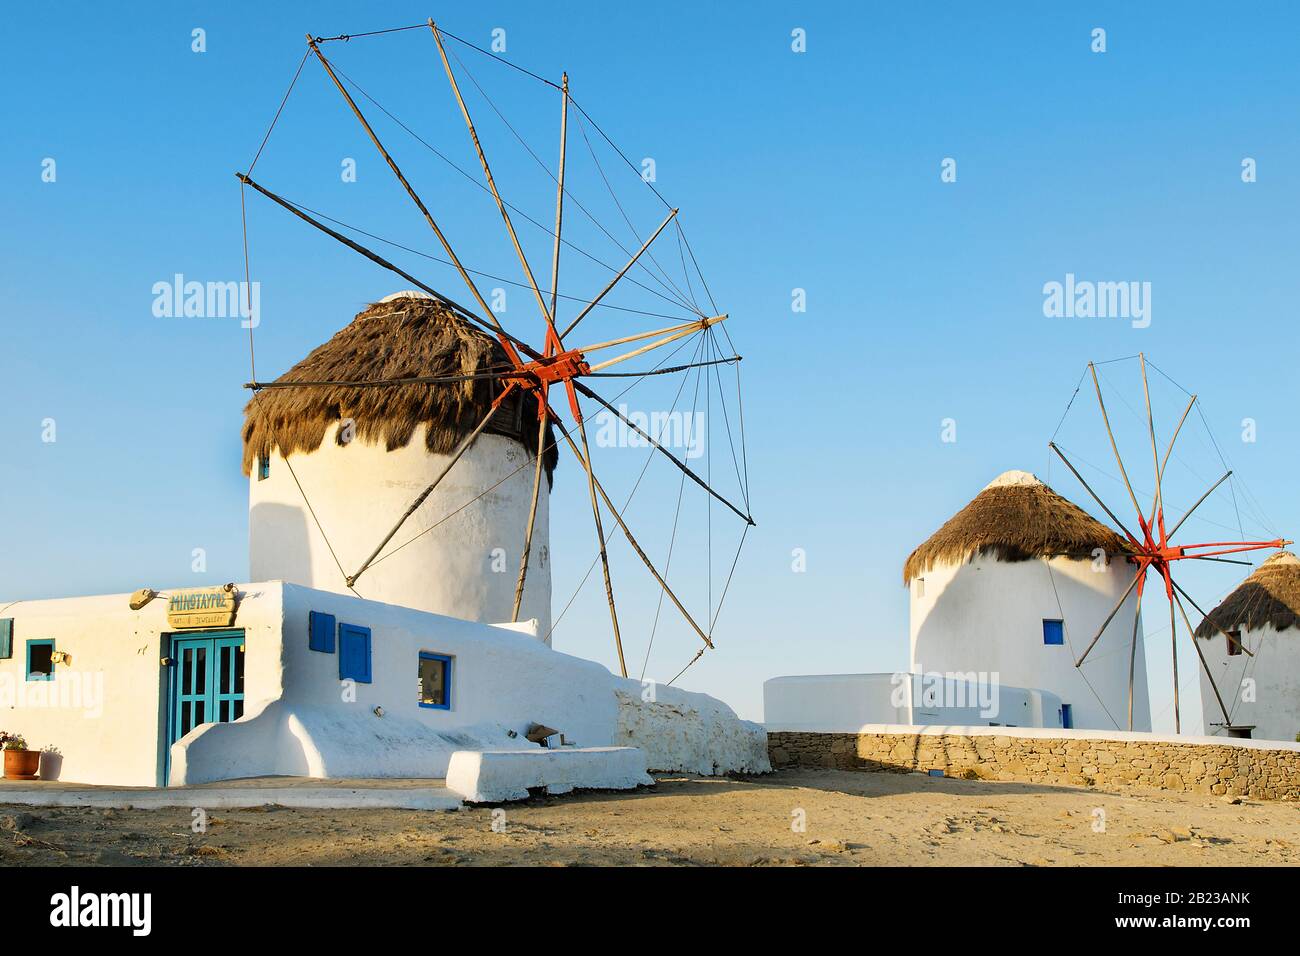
501,775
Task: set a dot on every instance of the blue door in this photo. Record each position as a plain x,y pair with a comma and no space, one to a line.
1067,716
207,681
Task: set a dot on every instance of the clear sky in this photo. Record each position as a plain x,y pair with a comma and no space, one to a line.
818,170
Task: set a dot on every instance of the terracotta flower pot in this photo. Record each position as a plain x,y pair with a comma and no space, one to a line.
22,764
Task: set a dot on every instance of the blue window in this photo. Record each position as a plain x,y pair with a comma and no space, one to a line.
40,660
1053,632
354,653
435,680
6,638
320,632
1067,716
263,467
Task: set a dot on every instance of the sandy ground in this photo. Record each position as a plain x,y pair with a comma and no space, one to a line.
850,819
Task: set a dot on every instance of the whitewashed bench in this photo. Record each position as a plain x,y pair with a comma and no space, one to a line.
496,776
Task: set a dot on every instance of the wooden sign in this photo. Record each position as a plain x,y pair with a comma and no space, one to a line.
205,607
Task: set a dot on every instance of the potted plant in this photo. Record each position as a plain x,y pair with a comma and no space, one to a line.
20,763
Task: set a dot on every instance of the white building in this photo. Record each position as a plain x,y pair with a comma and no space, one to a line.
300,682
844,703
301,675
1260,692
360,457
1016,585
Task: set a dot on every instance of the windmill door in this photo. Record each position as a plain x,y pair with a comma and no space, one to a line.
207,681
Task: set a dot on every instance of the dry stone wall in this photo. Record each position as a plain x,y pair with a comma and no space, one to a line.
1222,769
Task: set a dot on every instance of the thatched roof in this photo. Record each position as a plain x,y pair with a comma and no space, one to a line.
1271,595
1016,517
403,336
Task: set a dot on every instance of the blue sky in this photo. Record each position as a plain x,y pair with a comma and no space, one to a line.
817,170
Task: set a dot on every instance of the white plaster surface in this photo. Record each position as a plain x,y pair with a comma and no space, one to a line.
987,616
105,712
496,777
300,720
452,565
841,703
682,731
503,681
1263,690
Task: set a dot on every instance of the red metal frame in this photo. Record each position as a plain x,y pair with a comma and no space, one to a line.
1155,551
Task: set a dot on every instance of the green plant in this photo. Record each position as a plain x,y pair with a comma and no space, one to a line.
10,741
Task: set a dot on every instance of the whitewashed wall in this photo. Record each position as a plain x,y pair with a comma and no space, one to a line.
687,732
843,703
986,615
359,491
108,710
1275,672
503,679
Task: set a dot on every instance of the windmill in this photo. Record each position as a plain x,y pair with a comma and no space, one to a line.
553,364
1153,549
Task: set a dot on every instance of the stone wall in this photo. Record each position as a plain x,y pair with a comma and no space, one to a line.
1143,760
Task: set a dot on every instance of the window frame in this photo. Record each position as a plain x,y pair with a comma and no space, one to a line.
1234,649
1060,631
448,661
27,669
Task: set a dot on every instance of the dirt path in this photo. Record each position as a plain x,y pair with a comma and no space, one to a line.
851,819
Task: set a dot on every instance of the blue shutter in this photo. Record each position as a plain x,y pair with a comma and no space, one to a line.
354,653
320,632
6,637
1053,632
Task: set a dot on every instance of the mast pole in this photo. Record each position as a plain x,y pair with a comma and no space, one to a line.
543,407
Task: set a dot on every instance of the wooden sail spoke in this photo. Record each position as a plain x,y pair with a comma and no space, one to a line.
1111,435
1227,719
621,272
420,499
631,539
1110,617
658,447
1061,455
547,315
415,198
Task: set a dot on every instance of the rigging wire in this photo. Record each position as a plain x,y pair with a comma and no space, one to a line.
471,178
546,169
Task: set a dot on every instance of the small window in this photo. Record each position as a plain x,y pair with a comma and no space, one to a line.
1067,716
920,587
1234,645
263,467
1053,632
354,653
435,680
6,638
320,632
40,660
